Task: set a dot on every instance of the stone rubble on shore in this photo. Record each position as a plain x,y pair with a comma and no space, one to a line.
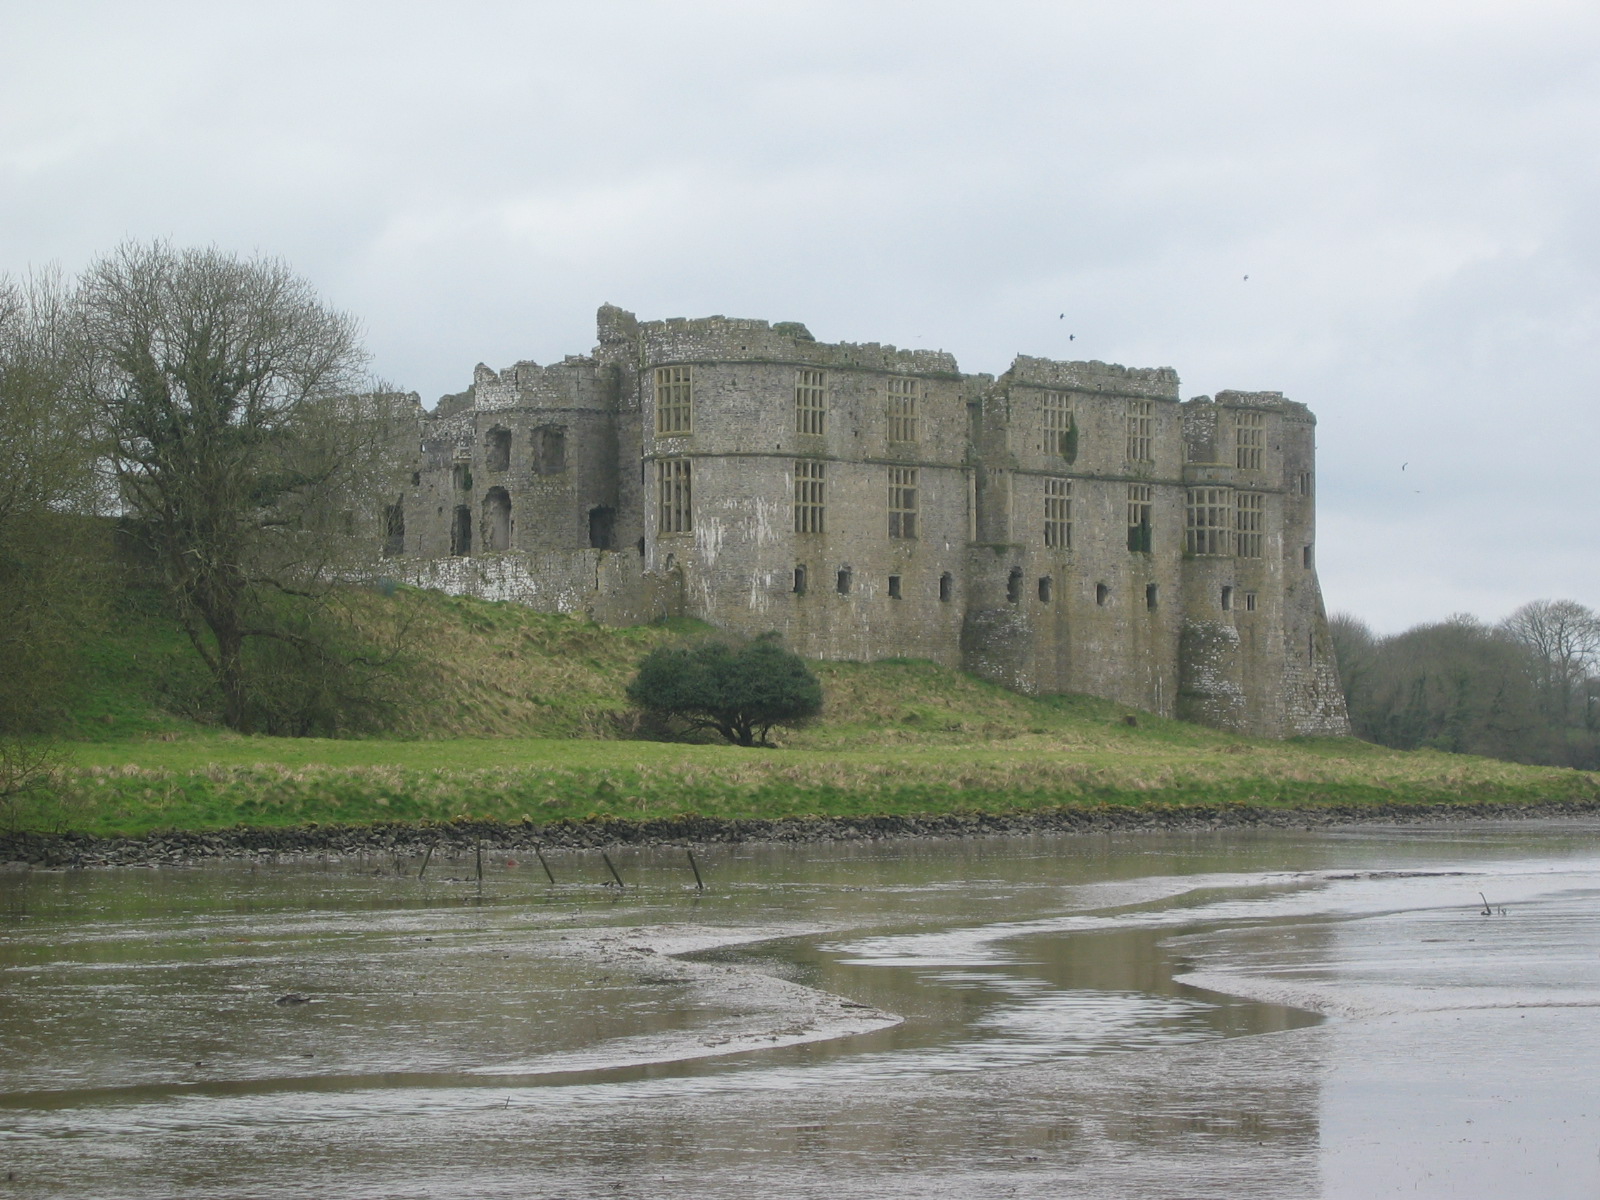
23,850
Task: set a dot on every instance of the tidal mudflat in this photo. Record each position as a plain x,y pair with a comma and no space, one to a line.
1339,1013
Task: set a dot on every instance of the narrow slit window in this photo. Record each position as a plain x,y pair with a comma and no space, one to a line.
1014,585
843,583
947,587
799,581
1046,587
894,587
1305,557
1152,595
1227,599
674,401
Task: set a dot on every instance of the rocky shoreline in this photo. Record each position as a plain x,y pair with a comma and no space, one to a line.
23,850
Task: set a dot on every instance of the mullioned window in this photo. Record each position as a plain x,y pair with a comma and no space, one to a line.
674,401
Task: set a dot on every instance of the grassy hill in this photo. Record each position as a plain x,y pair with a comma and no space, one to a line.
514,715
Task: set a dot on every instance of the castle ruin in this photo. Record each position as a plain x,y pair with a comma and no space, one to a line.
1066,527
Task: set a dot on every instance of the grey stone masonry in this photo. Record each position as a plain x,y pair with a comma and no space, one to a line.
1064,527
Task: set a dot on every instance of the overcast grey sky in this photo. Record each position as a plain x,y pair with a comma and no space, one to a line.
1413,190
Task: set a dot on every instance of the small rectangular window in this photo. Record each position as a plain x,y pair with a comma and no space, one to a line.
810,402
799,581
903,409
1247,523
674,495
902,502
1227,599
1249,431
1208,523
1302,483
1249,602
1152,595
1140,506
809,509
1058,514
894,587
1141,431
674,401
1305,557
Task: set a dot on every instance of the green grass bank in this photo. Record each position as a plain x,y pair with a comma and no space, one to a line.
519,718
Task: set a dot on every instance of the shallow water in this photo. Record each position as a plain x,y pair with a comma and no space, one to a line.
1221,1014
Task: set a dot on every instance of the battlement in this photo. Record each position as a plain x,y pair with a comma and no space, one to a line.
1152,383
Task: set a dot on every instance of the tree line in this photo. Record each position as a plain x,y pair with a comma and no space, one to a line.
1526,689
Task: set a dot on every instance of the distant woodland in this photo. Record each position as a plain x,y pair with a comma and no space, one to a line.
1527,689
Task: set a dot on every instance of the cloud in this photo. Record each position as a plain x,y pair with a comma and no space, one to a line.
1405,185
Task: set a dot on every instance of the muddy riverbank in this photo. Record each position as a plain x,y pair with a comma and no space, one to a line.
175,847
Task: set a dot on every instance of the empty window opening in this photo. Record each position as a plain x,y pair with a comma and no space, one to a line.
416,479
844,581
810,509
674,401
1305,556
947,587
1101,594
497,450
894,587
463,477
1208,522
799,581
674,496
810,402
602,527
461,532
496,520
1249,436
639,545
1227,599
1140,506
672,562
1046,585
903,409
550,449
1249,602
394,529
902,502
1060,426
1151,595
1014,585
1247,523
1058,514
1141,431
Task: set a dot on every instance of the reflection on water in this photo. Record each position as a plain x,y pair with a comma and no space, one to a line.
1107,1015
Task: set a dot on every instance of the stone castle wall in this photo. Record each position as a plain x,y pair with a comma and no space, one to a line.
542,485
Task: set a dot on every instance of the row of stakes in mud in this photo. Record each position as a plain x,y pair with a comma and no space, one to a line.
699,883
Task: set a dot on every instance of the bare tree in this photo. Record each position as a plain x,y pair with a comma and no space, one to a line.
50,550
1563,639
247,441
